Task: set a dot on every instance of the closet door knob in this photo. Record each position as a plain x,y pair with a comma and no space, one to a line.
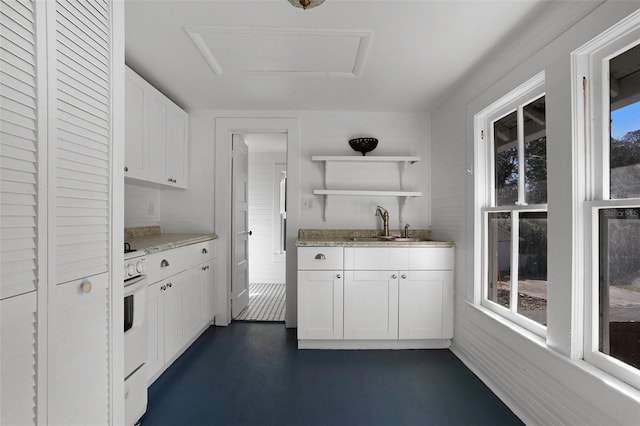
320,256
204,251
338,276
86,286
126,169
404,277
164,263
394,276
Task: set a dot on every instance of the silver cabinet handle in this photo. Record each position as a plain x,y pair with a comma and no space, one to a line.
86,286
163,288
404,277
320,256
164,263
338,276
394,276
204,251
169,285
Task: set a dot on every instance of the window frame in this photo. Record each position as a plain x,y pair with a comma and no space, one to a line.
591,110
484,185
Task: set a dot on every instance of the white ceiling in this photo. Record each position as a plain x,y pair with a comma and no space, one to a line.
344,55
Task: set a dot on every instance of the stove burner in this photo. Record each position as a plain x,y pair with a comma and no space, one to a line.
127,248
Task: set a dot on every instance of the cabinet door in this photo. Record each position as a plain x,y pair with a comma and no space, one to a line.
155,329
425,305
158,115
320,304
135,136
191,300
79,359
173,331
207,273
370,305
177,147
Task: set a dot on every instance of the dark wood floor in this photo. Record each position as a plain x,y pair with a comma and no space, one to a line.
252,374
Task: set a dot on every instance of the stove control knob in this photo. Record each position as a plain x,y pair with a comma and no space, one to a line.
140,267
131,270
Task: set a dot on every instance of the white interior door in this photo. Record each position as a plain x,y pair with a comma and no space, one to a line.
239,226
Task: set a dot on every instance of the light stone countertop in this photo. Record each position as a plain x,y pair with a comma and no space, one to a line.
344,238
151,240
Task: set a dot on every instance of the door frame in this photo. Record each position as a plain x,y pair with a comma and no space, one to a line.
225,128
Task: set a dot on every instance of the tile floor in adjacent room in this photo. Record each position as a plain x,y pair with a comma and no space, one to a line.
266,303
253,374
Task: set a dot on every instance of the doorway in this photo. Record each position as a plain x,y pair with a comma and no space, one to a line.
264,268
225,127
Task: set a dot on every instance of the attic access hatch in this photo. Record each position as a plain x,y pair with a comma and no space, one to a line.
282,50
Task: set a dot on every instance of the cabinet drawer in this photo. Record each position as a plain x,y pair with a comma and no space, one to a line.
431,258
320,258
166,263
375,258
202,252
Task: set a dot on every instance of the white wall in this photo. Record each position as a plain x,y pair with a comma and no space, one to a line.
322,133
141,204
266,263
543,381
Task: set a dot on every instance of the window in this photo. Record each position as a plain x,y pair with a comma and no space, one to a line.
512,177
610,67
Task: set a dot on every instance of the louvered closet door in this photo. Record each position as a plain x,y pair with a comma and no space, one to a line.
19,139
82,145
80,168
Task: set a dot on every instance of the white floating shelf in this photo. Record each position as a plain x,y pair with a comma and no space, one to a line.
367,193
365,159
402,160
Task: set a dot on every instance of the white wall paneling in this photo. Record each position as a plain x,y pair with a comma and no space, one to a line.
538,379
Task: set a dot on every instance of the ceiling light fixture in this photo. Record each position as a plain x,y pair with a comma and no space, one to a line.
306,4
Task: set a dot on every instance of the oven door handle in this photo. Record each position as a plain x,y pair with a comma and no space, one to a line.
135,284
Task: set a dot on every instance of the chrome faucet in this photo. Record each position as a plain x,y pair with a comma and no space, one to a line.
382,212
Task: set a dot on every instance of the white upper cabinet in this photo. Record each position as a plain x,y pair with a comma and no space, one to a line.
136,146
156,136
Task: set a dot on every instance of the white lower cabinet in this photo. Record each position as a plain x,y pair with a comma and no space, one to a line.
388,297
174,289
180,306
155,328
370,305
207,280
320,304
425,302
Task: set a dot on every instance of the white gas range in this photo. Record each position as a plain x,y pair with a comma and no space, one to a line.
135,335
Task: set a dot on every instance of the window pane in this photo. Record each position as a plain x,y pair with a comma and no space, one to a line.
535,152
619,295
532,266
505,142
499,250
624,148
